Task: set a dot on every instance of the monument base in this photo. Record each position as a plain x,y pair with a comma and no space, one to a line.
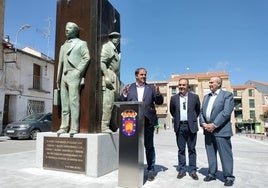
102,151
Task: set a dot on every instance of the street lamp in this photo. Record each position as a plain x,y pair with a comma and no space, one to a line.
25,26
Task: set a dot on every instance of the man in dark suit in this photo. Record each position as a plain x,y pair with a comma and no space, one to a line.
215,118
150,95
73,61
185,108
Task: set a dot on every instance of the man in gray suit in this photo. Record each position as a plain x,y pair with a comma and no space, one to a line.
185,109
73,61
215,118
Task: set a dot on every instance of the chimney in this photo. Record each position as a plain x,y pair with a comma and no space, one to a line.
7,38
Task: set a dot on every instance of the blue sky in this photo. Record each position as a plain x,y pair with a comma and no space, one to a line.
168,36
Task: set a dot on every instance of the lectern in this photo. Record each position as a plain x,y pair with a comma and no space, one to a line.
131,138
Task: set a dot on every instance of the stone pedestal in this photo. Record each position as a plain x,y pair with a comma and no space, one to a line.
102,151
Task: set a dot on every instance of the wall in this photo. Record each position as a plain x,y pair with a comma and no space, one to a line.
16,81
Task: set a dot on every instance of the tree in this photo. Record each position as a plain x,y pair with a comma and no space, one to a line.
264,116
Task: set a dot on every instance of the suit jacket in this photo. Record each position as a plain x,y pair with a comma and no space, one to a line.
193,110
220,114
150,98
110,58
77,54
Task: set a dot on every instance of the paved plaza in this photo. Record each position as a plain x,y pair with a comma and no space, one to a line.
18,169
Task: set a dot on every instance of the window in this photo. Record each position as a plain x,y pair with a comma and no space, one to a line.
34,106
252,114
173,90
36,76
49,117
237,103
251,93
235,93
251,103
238,114
266,100
192,89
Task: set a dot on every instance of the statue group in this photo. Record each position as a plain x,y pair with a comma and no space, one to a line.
74,59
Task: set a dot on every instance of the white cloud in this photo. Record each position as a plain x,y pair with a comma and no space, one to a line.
220,66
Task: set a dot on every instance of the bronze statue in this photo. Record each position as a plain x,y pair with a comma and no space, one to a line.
110,67
73,61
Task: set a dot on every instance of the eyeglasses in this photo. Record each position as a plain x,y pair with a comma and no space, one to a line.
184,105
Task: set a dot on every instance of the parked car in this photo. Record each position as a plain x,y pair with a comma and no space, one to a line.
29,126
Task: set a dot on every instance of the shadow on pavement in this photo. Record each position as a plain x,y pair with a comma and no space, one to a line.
219,174
157,168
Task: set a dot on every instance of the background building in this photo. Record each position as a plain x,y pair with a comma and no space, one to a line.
261,106
162,109
251,100
26,83
247,109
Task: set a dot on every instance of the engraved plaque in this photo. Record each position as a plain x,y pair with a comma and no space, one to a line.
65,153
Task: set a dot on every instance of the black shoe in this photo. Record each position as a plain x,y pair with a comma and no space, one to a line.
181,175
150,175
209,178
229,183
194,175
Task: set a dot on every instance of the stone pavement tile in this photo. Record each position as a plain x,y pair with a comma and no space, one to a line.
250,168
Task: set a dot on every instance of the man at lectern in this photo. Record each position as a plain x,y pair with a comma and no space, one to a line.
150,95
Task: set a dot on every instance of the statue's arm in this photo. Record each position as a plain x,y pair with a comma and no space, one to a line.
85,58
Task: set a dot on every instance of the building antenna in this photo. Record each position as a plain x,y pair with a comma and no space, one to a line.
46,33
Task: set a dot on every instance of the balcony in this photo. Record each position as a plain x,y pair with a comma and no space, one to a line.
40,84
237,97
238,107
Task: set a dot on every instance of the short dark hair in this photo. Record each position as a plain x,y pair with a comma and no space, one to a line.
184,79
138,70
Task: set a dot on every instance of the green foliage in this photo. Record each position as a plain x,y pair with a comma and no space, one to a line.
264,116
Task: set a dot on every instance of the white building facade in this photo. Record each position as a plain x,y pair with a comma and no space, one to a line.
26,84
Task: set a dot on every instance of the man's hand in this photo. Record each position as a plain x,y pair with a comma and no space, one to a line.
126,89
209,127
109,84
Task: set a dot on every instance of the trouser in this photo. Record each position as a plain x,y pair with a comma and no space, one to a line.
108,96
107,108
185,136
149,144
224,147
70,102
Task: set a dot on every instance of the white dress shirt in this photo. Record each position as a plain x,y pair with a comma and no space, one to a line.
183,107
211,101
140,91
